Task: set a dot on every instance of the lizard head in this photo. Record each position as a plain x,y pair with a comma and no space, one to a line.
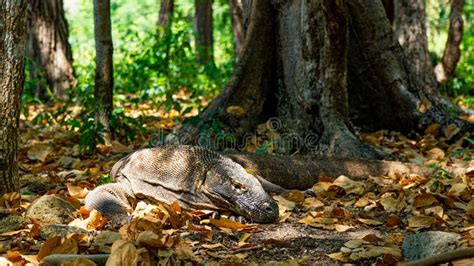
230,186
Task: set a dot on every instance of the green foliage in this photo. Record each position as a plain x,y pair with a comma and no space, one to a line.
91,134
147,68
104,179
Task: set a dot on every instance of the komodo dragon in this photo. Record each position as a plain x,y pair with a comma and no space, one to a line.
195,177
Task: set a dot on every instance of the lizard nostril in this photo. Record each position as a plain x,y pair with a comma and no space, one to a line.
267,207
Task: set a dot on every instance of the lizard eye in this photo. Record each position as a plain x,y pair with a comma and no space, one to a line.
239,187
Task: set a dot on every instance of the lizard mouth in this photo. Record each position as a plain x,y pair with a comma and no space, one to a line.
261,211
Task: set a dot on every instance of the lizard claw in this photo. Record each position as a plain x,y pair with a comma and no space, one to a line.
309,193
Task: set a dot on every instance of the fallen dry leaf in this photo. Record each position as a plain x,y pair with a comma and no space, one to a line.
123,253
349,185
77,191
227,223
369,221
424,200
421,221
39,151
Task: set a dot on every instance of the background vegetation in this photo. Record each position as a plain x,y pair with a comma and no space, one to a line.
153,71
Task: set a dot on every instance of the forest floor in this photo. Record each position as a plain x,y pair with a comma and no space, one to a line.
363,220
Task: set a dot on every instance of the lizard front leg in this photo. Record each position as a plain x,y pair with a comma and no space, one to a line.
112,200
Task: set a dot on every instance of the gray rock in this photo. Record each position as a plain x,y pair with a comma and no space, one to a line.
11,223
52,230
425,244
51,210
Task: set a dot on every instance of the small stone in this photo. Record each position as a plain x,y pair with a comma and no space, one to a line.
50,209
425,244
52,230
11,223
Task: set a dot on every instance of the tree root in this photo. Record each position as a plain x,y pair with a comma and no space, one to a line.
302,172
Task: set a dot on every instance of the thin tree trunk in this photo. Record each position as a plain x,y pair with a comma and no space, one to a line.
104,80
13,25
410,29
236,10
165,18
204,36
452,52
49,48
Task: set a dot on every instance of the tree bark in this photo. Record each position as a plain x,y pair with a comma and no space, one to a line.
452,51
303,171
104,80
314,69
236,11
410,29
165,18
49,48
13,30
389,7
204,36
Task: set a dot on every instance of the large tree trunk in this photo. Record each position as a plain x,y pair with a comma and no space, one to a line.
236,13
410,29
49,48
313,69
165,18
452,52
13,26
104,81
204,36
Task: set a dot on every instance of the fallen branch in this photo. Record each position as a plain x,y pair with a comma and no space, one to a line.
463,253
60,259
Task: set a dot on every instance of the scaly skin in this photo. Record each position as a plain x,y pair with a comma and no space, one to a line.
195,177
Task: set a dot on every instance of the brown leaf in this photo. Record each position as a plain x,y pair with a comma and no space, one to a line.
340,256
435,154
450,131
39,151
77,191
421,221
391,204
123,253
369,221
227,223
433,129
372,238
349,185
14,256
470,209
393,220
295,196
184,251
48,246
56,245
312,203
342,227
424,200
